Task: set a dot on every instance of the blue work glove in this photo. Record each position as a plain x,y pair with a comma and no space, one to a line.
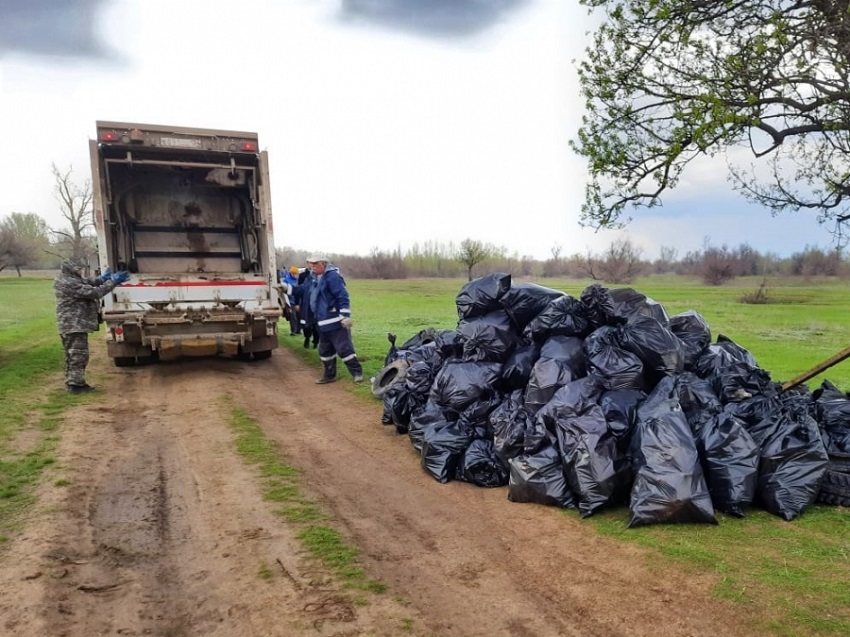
120,277
106,274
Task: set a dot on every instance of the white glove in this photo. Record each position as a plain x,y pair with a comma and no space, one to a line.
347,323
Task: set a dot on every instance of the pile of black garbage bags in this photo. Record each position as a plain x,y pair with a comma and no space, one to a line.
605,400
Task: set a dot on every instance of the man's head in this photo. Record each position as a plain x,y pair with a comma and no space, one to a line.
317,262
74,265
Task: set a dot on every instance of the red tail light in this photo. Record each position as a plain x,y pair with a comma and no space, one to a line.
248,146
108,136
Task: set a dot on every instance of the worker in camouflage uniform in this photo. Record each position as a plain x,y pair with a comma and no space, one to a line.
76,316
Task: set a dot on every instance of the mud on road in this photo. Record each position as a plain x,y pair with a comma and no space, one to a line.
162,529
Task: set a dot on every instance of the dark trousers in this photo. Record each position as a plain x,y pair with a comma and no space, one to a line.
338,343
76,345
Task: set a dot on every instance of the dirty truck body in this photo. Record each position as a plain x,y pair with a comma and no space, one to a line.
187,212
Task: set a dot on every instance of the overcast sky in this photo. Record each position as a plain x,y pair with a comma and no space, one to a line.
388,122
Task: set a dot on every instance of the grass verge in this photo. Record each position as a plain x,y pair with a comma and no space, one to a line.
279,483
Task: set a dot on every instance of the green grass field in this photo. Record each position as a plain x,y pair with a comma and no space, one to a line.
792,576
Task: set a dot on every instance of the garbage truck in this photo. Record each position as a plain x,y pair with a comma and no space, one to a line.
187,212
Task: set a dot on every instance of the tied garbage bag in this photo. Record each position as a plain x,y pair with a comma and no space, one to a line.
429,414
669,484
618,368
490,337
620,408
597,471
730,459
738,381
481,466
509,422
600,306
564,316
692,329
629,303
443,445
792,466
561,361
524,301
539,478
656,346
832,409
482,295
458,384
697,398
722,353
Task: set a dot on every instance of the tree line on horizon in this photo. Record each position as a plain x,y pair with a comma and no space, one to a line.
620,263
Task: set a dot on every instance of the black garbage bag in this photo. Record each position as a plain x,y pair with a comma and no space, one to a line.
476,416
423,337
391,354
739,381
490,337
517,369
564,316
419,378
833,414
481,466
697,398
722,353
597,471
656,346
445,341
482,295
730,461
400,404
458,384
539,478
692,329
669,485
561,361
629,303
524,301
620,409
600,306
578,396
792,466
618,368
443,445
757,414
509,423
428,414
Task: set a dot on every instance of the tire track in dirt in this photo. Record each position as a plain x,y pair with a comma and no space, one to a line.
164,528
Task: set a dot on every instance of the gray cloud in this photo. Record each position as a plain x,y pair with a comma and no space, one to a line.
50,27
440,18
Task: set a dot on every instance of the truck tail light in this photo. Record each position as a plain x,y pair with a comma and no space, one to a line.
248,146
108,136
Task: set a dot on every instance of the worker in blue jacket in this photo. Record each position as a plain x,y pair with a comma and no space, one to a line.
331,310
290,280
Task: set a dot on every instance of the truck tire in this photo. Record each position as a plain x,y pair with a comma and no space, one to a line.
835,488
395,372
124,361
262,355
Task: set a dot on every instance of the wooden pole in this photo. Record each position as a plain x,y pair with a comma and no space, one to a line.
817,369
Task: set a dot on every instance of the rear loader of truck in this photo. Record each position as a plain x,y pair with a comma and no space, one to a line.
187,211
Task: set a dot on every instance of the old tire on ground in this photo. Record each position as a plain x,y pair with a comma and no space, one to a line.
835,488
392,373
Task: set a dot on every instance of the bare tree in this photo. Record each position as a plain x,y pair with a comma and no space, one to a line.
620,264
28,241
75,204
471,253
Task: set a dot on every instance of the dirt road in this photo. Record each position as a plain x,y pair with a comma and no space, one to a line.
162,529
